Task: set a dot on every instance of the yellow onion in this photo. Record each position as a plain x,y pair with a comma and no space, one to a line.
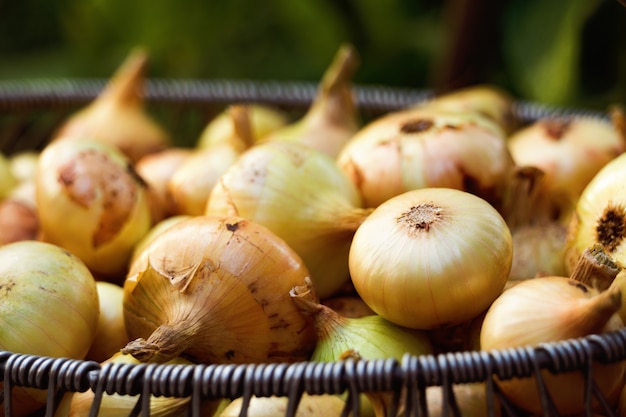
156,169
372,336
49,308
216,290
431,257
110,335
546,310
79,404
309,406
301,195
91,202
570,151
263,120
488,100
23,165
600,215
192,182
118,116
332,117
423,148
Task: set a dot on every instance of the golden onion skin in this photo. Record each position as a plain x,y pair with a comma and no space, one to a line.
431,257
216,289
49,306
91,202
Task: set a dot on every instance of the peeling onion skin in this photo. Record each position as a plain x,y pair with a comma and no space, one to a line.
91,202
216,290
431,257
48,307
424,148
600,215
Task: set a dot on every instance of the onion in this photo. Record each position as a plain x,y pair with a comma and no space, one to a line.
371,336
470,398
332,117
110,335
18,214
309,406
553,309
431,257
487,100
423,148
23,165
79,404
91,202
600,215
192,182
156,169
263,120
49,308
301,195
216,290
570,151
117,116
7,178
154,231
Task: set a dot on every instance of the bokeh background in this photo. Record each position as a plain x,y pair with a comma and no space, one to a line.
566,53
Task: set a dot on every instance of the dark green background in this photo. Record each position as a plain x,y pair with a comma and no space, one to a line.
570,53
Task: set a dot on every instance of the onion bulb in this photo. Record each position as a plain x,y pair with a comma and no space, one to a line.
424,148
570,151
546,310
79,404
301,195
487,100
263,120
216,290
192,182
117,116
309,406
156,169
110,335
371,336
332,117
431,257
49,308
91,202
600,215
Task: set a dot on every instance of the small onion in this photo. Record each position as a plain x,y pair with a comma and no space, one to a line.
23,165
553,309
117,116
216,290
91,202
431,257
110,335
332,117
423,148
301,195
50,307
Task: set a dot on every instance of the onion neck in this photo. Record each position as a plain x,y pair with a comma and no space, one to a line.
125,87
596,268
166,342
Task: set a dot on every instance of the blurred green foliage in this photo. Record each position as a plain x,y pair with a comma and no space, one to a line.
563,53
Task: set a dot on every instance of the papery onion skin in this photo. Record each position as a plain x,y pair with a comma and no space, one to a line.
431,257
423,148
553,309
216,289
48,307
91,202
301,195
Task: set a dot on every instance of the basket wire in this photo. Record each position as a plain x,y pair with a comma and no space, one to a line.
29,112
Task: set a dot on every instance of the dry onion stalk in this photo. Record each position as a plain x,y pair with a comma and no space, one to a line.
431,257
425,148
216,290
302,196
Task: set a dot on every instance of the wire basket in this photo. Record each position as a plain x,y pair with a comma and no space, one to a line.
30,110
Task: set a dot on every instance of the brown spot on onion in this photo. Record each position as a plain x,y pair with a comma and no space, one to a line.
611,227
232,226
416,126
421,217
556,129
